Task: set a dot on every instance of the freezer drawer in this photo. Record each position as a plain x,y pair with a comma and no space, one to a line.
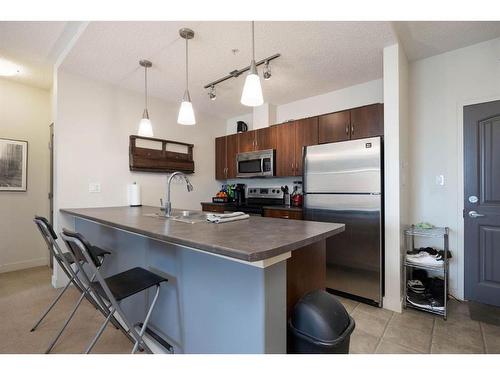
343,167
354,257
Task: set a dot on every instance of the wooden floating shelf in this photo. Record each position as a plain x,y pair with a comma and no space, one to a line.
159,160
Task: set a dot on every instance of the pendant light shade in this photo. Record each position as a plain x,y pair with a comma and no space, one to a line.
252,90
145,127
186,112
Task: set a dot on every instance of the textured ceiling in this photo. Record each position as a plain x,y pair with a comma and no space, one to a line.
424,38
34,47
316,57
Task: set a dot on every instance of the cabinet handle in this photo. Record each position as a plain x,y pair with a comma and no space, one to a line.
347,129
352,129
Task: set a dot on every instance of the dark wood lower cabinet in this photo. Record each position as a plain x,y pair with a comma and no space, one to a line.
283,213
305,272
213,207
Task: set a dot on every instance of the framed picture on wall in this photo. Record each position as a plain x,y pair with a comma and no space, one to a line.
13,165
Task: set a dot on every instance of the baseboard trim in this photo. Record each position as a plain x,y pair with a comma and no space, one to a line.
16,266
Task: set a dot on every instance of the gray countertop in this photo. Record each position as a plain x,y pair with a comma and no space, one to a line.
257,238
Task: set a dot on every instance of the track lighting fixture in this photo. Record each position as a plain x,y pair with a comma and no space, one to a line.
267,71
211,94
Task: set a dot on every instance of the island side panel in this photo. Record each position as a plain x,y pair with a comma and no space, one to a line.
210,304
306,271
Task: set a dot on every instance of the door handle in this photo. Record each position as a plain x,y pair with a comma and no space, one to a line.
474,214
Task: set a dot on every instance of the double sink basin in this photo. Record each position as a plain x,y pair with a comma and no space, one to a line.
184,216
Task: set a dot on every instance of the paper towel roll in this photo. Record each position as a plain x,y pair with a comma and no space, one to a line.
134,195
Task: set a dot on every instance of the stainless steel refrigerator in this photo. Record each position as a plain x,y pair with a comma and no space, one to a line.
343,184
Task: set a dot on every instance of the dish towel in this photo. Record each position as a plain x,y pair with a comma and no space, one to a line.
226,218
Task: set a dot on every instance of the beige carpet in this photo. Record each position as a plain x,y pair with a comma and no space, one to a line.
24,295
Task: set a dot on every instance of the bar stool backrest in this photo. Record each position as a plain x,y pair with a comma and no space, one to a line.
50,238
80,248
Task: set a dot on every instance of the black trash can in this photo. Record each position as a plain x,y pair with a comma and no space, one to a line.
319,324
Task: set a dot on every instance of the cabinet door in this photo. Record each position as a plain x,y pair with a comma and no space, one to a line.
231,152
285,149
367,121
306,135
266,138
334,127
220,158
246,141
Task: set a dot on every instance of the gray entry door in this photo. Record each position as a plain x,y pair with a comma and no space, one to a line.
482,202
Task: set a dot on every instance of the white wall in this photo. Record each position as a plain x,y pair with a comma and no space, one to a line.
392,299
439,88
25,115
338,100
92,128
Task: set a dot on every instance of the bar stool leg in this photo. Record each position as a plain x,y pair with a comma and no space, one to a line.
52,305
66,322
101,330
144,325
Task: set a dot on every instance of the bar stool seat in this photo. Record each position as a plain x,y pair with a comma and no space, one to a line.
128,283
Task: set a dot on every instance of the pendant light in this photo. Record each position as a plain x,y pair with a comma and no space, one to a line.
186,113
145,128
252,91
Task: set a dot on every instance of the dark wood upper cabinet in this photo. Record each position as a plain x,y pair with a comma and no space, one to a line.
231,152
220,158
289,139
285,149
246,141
265,138
334,127
306,134
367,121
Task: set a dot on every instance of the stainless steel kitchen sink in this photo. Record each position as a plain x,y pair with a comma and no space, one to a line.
184,216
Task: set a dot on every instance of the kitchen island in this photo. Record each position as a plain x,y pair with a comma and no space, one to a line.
227,288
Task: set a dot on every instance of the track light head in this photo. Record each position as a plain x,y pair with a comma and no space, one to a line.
267,71
212,94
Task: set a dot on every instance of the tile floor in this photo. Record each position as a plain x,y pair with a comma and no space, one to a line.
382,331
24,294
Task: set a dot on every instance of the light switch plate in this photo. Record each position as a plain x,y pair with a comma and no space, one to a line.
94,187
440,180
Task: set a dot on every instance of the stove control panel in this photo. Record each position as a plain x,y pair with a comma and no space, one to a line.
267,192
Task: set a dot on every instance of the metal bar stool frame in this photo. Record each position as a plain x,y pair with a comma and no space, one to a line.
114,306
73,278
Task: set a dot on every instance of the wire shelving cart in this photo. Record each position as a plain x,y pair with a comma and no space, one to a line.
442,270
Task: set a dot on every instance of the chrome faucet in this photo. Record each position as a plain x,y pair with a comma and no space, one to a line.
168,204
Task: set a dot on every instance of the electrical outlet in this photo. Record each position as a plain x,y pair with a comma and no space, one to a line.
94,187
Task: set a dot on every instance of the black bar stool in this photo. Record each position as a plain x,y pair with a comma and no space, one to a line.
65,261
115,288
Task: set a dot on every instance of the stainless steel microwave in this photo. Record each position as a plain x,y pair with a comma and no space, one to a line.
255,164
